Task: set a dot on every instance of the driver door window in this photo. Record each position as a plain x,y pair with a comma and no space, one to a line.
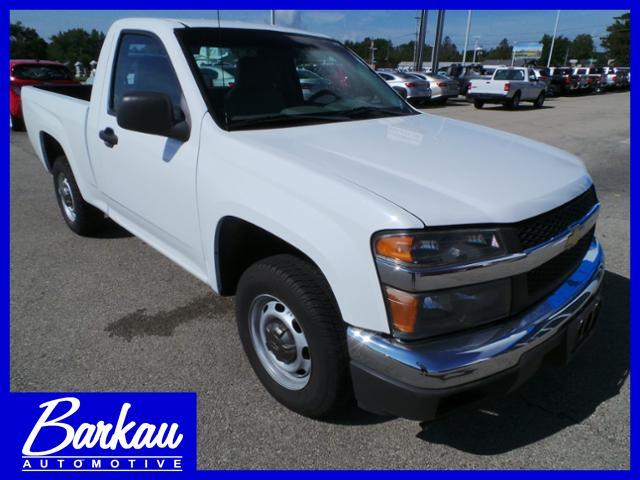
142,65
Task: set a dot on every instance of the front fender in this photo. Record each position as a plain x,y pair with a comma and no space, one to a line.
327,218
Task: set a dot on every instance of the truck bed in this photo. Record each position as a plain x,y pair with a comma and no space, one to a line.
80,91
59,112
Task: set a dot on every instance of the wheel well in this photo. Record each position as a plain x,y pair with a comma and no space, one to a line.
238,245
51,149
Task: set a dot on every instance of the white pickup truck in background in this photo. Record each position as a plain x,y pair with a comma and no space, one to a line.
508,86
372,252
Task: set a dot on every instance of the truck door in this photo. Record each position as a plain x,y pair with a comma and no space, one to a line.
533,85
149,180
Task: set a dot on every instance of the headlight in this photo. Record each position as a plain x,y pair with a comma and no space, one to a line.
431,313
428,314
441,248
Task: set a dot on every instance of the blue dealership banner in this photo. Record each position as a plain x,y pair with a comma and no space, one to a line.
103,432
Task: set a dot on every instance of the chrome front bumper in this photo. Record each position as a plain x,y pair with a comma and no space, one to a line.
458,359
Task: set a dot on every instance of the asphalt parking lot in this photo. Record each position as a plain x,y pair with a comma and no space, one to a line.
111,314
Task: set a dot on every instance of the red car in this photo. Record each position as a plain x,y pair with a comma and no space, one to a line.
32,72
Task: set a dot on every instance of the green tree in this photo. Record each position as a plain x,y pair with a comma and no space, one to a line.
76,44
618,42
562,49
582,47
24,42
501,52
449,51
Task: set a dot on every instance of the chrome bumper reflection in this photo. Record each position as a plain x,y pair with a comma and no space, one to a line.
468,356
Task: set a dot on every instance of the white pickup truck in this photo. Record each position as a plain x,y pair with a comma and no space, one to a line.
508,86
372,253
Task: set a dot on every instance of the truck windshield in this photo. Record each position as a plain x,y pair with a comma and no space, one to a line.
508,74
42,72
268,79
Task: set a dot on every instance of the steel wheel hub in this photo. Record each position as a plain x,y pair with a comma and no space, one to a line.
66,197
279,342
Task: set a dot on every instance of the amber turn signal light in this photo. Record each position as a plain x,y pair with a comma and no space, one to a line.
396,247
404,309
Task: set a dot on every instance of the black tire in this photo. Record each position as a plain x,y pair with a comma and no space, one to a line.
17,124
86,219
478,104
540,100
301,287
514,103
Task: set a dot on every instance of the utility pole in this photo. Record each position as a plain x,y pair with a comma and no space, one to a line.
415,44
422,33
273,17
553,40
466,39
372,57
438,41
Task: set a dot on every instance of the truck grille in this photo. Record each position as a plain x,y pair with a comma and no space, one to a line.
542,280
541,228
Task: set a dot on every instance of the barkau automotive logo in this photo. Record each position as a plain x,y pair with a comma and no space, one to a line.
60,441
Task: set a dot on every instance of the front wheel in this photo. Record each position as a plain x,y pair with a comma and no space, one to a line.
293,335
81,217
539,101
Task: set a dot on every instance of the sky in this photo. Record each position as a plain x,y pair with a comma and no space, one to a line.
488,27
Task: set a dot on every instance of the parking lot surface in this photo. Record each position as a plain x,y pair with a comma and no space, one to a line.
111,314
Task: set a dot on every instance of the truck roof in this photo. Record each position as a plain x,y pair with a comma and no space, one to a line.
172,23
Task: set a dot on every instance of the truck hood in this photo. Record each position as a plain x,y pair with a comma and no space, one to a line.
443,171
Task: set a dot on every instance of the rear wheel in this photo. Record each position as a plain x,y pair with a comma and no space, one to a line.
478,104
293,335
540,100
17,124
514,103
81,217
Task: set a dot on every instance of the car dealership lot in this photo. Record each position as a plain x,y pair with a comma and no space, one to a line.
111,314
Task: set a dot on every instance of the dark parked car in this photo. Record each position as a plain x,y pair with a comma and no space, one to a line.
563,81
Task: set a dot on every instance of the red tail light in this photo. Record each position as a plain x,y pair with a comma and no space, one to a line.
567,80
410,84
507,87
441,84
232,84
614,78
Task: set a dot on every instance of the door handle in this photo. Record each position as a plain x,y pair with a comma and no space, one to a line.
109,137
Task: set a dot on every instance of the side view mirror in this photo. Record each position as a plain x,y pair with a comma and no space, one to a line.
151,112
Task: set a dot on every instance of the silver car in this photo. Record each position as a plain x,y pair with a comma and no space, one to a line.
442,87
311,83
415,90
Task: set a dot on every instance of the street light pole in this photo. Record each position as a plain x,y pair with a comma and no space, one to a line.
475,49
553,40
466,39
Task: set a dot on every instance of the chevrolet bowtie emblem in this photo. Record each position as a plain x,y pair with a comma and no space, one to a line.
574,236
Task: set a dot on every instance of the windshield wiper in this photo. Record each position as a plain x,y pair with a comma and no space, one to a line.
376,111
271,120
